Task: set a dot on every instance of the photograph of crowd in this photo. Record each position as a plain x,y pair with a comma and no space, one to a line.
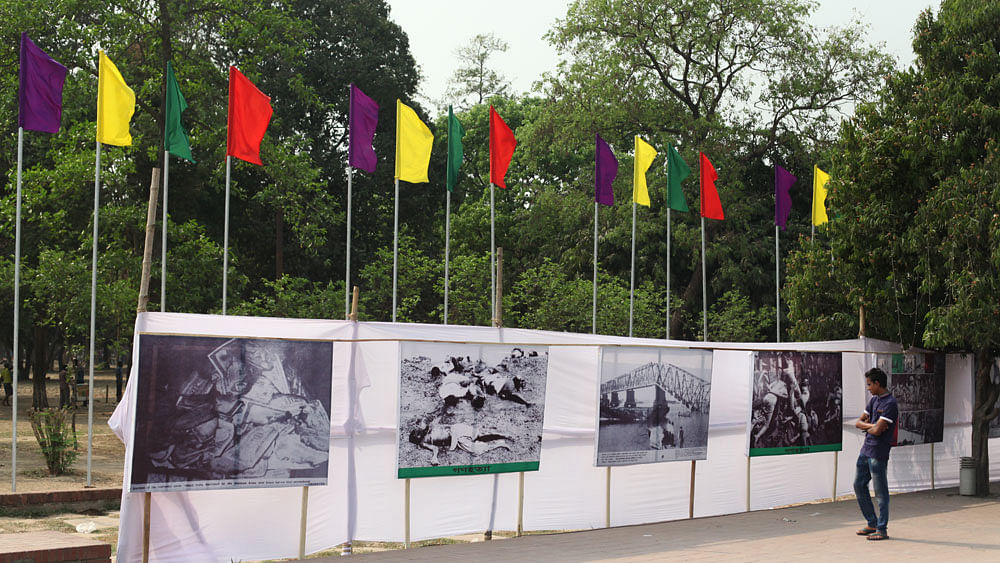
917,381
796,403
654,405
215,413
470,408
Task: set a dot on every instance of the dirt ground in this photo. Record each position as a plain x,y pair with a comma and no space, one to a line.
32,475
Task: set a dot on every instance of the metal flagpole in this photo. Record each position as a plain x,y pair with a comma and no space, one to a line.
593,325
225,239
395,249
17,315
668,273
493,248
163,252
93,314
347,275
447,247
631,291
777,285
704,286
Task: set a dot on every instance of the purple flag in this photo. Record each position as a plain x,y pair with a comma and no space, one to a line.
606,168
783,181
363,119
40,92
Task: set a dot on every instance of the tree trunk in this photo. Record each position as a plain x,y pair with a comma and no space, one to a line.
39,398
985,410
279,243
689,298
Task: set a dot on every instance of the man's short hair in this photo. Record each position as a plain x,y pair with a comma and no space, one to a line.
878,376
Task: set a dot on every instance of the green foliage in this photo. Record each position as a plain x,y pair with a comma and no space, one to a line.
291,297
55,436
733,319
915,186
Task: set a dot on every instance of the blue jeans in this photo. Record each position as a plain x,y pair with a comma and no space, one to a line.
873,470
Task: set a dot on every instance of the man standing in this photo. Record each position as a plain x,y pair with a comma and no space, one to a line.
8,381
879,423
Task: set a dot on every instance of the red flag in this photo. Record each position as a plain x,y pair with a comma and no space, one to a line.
249,113
502,143
711,207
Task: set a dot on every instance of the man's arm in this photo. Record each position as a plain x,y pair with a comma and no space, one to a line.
862,423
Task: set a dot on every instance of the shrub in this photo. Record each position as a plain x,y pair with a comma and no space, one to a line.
53,430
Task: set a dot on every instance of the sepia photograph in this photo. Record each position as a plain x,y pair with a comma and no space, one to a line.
797,403
654,405
217,413
470,408
917,381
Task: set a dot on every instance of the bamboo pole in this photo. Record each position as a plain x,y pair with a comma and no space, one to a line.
607,498
520,504
836,467
354,306
932,466
406,516
691,494
147,501
748,483
147,251
303,521
147,261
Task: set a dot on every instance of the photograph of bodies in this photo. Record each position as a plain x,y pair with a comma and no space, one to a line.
796,403
654,405
917,382
467,409
217,413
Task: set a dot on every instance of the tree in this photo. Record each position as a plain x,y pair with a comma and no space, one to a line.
914,189
303,53
749,83
474,81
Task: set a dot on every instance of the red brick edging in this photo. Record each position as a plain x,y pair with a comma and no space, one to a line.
55,497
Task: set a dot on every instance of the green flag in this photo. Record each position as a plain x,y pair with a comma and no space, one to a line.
677,170
455,134
175,137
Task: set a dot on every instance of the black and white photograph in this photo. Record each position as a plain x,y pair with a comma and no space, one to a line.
218,413
797,403
470,408
917,381
654,405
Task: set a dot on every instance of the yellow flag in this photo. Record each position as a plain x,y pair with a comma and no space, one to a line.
413,145
820,179
644,155
115,105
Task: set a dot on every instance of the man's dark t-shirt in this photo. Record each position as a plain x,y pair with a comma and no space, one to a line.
881,407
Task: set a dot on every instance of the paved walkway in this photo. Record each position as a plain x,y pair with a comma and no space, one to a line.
928,525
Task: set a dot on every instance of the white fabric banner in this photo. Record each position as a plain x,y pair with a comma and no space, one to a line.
567,492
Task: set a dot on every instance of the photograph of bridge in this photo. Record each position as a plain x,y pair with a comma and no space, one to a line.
654,405
797,403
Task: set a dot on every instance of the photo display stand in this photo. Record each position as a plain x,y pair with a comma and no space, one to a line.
796,406
653,407
470,409
230,412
